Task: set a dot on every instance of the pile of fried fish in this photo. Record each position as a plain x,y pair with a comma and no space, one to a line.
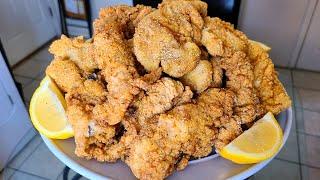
156,87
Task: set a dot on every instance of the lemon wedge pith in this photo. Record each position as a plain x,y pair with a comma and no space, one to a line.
262,45
259,143
47,111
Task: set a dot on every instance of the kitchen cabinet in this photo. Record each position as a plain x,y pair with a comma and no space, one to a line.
15,127
281,25
26,25
310,53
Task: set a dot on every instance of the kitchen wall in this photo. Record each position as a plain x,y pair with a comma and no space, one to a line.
310,53
282,25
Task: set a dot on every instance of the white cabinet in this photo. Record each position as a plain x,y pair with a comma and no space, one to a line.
279,24
15,125
6,105
310,53
25,26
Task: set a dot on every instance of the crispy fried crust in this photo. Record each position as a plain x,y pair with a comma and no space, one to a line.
77,50
221,39
169,37
200,78
65,74
240,81
270,91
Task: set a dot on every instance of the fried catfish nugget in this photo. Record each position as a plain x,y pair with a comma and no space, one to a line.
183,18
227,133
200,77
240,80
65,74
218,105
155,45
217,72
187,129
269,89
160,97
190,127
145,81
127,17
182,129
169,37
115,59
152,157
77,50
221,39
117,64
92,140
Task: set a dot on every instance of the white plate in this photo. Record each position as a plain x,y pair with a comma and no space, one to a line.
213,167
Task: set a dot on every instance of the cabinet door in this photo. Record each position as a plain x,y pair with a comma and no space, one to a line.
6,105
310,53
276,23
25,26
14,119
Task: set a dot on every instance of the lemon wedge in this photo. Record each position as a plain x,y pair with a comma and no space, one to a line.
264,46
259,143
47,111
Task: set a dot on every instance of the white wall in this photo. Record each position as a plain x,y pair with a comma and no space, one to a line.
97,4
280,24
310,52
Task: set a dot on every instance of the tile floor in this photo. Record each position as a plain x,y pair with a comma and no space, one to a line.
299,158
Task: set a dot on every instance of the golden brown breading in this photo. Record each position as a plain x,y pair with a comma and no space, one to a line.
155,45
183,18
65,74
69,78
227,133
190,127
169,36
199,78
77,50
94,141
198,4
152,158
160,97
145,81
117,65
91,140
183,129
183,162
126,16
218,105
185,97
217,72
240,81
186,129
240,77
221,39
269,89
91,91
